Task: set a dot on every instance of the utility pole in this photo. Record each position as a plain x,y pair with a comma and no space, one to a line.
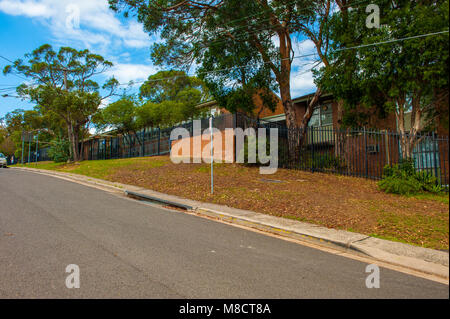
23,144
37,144
29,148
212,153
69,127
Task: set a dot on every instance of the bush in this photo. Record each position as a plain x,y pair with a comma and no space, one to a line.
403,179
327,161
59,151
403,186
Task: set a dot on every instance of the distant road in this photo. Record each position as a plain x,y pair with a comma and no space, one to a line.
126,249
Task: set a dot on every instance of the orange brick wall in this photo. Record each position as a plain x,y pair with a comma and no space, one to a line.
220,141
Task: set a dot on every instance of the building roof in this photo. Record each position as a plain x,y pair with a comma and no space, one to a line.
309,96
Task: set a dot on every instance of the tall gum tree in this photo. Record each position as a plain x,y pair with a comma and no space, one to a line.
62,83
400,68
189,29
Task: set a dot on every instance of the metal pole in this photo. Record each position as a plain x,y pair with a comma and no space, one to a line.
37,144
29,148
365,153
212,153
159,141
23,146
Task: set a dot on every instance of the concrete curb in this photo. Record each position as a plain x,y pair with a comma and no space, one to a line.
421,259
156,199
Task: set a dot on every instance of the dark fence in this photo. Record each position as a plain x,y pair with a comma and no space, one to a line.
147,142
42,155
353,152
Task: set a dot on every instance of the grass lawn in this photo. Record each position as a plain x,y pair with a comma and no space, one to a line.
334,201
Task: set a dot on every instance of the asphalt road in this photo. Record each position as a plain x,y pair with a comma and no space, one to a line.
129,249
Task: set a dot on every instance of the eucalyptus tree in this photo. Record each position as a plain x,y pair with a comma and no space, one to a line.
120,116
400,68
248,44
63,83
179,92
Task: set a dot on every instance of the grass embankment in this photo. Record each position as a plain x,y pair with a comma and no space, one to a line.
333,201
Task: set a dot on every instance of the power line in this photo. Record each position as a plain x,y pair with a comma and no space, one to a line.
301,56
13,73
268,28
1,56
391,41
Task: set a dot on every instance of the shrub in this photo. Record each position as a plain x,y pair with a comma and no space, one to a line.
403,186
403,179
59,151
327,161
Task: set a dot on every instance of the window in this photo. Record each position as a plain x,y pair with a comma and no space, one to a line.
322,116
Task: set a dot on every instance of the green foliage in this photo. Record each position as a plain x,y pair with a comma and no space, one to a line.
120,115
247,82
232,41
169,97
164,114
383,78
63,88
59,151
403,179
7,145
173,86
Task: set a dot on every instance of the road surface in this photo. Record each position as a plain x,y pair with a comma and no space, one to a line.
127,249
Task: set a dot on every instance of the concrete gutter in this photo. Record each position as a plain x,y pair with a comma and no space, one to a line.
420,259
157,199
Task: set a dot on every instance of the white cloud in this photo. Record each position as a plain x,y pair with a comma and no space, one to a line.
302,81
305,46
125,72
27,8
98,25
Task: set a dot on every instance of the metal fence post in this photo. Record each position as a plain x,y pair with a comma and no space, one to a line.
365,153
388,160
234,136
433,135
312,147
23,145
29,148
143,142
159,140
37,144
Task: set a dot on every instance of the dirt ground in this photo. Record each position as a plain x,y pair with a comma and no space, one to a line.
333,201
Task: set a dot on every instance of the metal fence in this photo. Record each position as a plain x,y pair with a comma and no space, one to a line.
40,156
354,152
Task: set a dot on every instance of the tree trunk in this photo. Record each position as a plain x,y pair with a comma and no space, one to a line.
69,135
74,137
340,136
291,120
404,139
308,114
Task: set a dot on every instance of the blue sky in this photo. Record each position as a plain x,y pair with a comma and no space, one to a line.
27,24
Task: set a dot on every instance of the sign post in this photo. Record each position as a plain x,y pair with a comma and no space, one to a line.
23,145
212,153
29,147
37,143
